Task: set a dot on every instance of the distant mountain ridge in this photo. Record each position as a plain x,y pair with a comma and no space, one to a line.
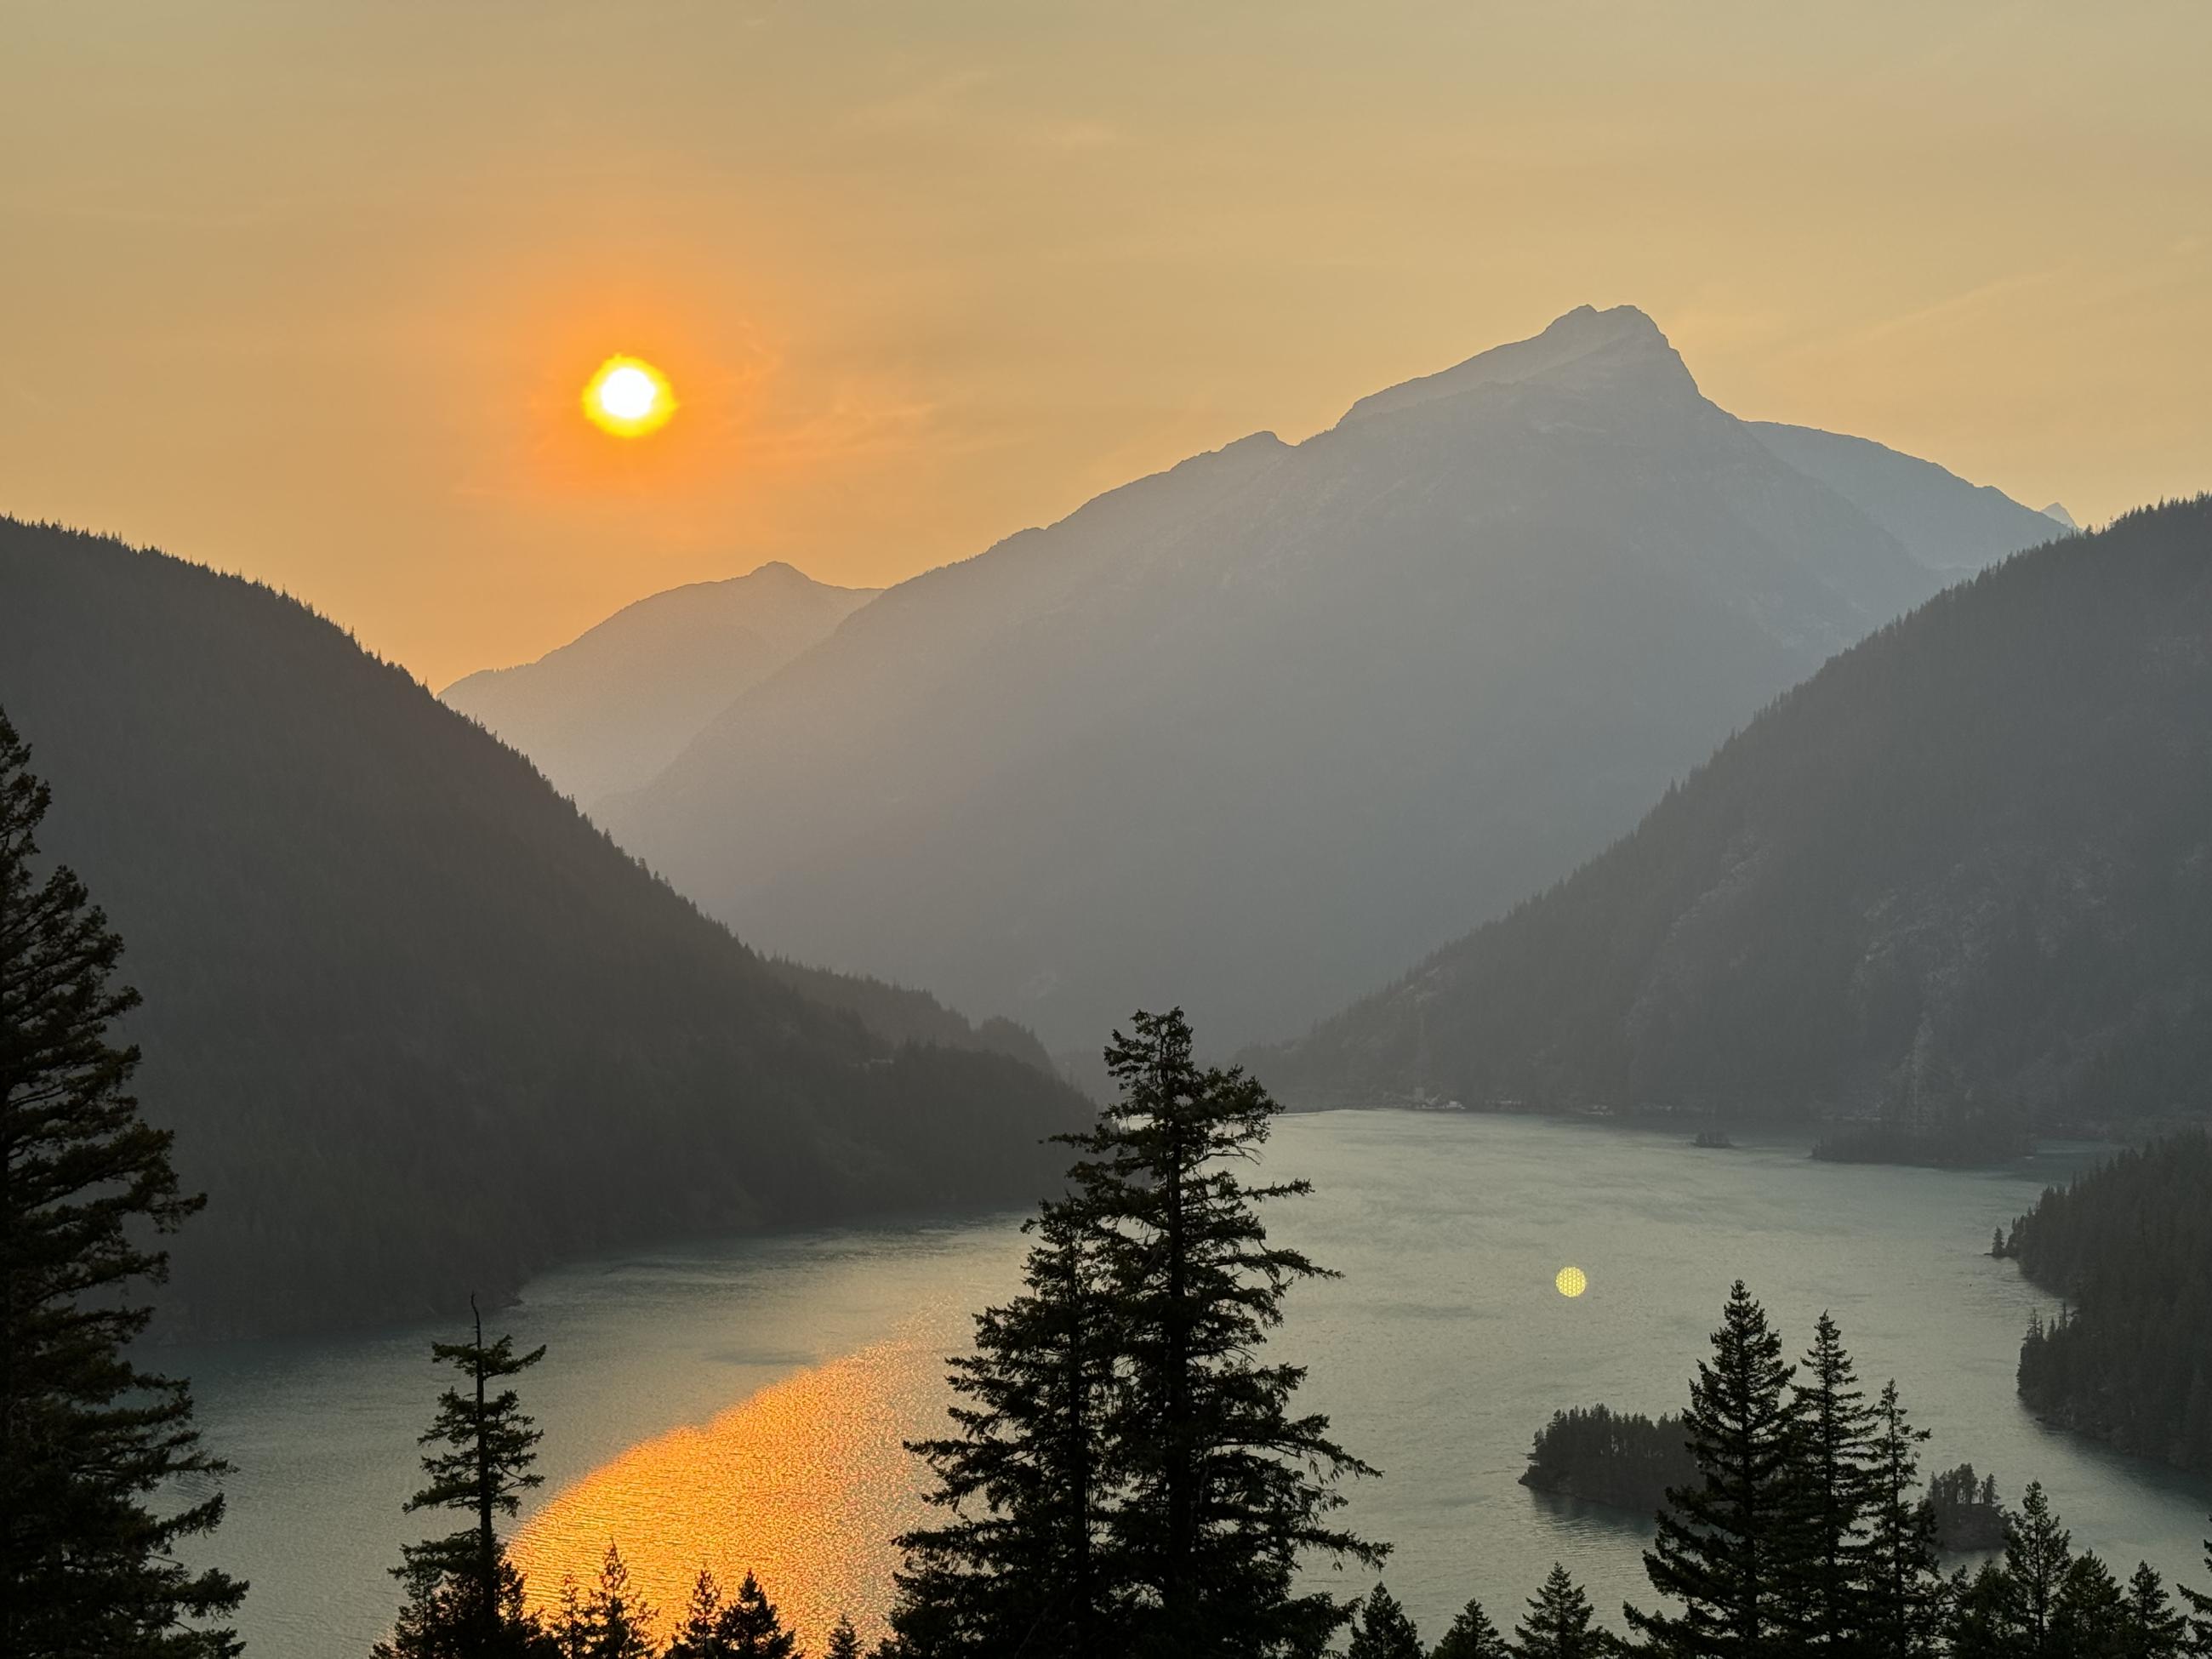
1250,733
420,1028
610,708
1960,878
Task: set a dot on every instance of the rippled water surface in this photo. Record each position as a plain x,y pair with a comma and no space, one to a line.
741,1404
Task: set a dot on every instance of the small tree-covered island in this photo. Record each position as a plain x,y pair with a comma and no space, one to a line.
1127,1469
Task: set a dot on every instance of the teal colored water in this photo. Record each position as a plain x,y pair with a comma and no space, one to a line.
1439,1352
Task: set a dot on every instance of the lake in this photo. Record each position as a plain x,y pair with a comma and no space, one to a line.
741,1403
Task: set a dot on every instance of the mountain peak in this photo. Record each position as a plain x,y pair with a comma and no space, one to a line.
1584,349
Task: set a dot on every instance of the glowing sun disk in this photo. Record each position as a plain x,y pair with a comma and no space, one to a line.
629,396
1571,1281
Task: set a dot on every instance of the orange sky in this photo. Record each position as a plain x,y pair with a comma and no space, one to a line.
308,291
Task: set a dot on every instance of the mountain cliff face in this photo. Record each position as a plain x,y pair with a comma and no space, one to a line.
421,1029
1250,733
1964,872
612,706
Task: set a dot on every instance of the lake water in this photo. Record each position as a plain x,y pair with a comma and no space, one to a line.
742,1403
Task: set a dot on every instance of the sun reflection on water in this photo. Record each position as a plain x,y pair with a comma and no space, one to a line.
804,1483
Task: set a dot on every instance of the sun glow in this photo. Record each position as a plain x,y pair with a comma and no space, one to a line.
1571,1282
629,396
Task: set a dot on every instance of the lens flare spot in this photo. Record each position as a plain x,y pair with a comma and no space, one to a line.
629,396
1571,1281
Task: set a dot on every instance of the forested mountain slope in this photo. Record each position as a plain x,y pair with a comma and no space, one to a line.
616,704
419,1027
1253,733
2130,1247
1963,874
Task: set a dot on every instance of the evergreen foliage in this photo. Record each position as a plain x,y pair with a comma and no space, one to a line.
1126,1475
463,1598
87,1438
609,1621
2129,1246
1557,1623
1836,1481
1473,1635
1603,1456
1381,1630
1904,1606
844,1641
1729,1549
1965,1510
381,954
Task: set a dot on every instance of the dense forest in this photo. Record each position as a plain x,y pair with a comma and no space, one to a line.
1960,881
2130,1247
420,1027
1623,1458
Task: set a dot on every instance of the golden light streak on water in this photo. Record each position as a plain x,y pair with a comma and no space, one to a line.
805,1483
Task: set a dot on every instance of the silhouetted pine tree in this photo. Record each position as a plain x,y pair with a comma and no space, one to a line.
2037,1553
1221,1489
463,1598
1472,1636
1903,1605
1727,1547
1016,1562
2200,1610
748,1628
610,1622
2153,1629
2090,1619
844,1640
1557,1623
1834,1478
1381,1630
86,1567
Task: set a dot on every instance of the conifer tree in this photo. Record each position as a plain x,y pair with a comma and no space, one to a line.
2037,1552
1904,1604
609,1622
2089,1618
1834,1480
844,1640
1381,1630
2200,1611
715,1628
1472,1636
2152,1629
1221,1489
463,1598
1015,1561
1557,1623
86,1565
1727,1547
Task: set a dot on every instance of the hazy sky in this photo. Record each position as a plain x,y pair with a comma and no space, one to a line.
307,289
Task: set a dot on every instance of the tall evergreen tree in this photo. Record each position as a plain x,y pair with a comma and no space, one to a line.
1015,1561
844,1640
747,1626
1834,1478
2089,1618
1472,1636
463,1598
1221,1488
2200,1610
87,1567
2037,1552
610,1621
1727,1547
1381,1630
1557,1623
2152,1629
1904,1604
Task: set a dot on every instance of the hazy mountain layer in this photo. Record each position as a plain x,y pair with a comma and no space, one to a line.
615,705
1252,733
419,1027
1965,870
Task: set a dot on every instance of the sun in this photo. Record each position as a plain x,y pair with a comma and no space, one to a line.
1571,1282
629,396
